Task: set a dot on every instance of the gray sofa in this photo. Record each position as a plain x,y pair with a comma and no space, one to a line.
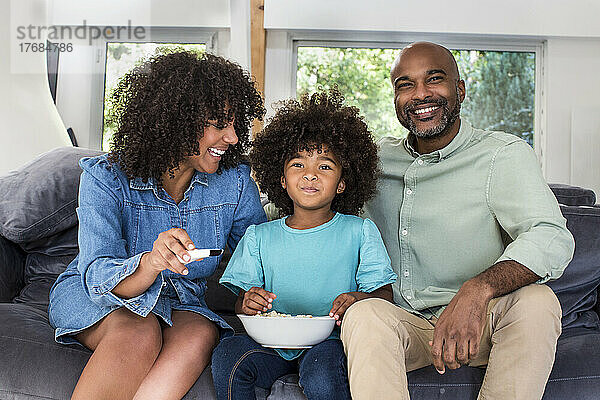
38,237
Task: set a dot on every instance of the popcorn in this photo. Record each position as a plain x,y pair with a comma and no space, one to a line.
274,313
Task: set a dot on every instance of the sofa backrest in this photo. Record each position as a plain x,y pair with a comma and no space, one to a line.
577,288
573,195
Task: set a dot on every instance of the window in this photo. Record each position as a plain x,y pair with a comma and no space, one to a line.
120,59
500,85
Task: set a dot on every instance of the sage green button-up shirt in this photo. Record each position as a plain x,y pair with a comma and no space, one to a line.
449,215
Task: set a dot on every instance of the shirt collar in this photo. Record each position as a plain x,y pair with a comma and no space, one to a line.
139,184
463,137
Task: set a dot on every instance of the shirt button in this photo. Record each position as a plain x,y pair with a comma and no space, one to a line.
406,273
408,191
408,297
420,162
404,232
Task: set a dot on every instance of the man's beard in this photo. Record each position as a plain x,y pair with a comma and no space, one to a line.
448,118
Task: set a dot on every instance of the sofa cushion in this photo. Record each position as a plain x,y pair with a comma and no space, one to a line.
573,195
36,367
39,199
577,288
575,372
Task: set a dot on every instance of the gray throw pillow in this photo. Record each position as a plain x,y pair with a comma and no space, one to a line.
39,199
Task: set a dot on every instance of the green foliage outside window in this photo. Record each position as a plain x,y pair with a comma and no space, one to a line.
500,86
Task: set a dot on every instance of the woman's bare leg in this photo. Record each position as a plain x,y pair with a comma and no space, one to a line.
186,351
125,347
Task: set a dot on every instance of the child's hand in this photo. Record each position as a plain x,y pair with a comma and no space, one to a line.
341,304
257,300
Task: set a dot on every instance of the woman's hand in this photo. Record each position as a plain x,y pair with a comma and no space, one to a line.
169,244
163,256
254,301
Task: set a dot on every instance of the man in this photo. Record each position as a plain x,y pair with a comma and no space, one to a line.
473,232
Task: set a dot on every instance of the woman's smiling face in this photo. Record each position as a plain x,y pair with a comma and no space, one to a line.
312,179
212,145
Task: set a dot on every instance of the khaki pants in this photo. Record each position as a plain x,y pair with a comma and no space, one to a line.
383,342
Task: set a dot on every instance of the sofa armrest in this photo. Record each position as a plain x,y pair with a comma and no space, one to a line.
12,264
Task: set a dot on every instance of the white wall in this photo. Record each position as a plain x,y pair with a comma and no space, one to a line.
153,13
573,112
507,17
569,31
31,124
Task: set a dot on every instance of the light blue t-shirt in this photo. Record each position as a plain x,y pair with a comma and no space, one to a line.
308,268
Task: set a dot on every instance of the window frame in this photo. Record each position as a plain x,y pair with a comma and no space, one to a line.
282,61
210,37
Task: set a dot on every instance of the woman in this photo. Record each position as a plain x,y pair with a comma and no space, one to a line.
173,181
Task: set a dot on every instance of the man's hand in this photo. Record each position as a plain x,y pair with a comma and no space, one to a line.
458,331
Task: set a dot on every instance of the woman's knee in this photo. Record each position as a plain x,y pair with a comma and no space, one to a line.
195,333
134,333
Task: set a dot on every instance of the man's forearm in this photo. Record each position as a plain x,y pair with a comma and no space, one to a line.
503,277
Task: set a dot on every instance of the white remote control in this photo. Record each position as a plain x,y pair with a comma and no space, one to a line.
197,254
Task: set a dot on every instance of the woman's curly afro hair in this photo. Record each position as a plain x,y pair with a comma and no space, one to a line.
162,106
308,124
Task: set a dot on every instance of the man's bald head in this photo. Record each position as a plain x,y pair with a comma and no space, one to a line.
427,90
422,48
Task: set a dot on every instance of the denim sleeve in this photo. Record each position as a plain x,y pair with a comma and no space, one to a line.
245,267
524,206
249,211
103,259
374,268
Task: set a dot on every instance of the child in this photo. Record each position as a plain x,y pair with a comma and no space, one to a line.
318,164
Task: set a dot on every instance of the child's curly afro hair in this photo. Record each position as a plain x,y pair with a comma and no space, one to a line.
162,106
308,124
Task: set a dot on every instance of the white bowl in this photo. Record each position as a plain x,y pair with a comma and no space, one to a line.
287,332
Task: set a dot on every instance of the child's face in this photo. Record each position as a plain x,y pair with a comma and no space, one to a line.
312,179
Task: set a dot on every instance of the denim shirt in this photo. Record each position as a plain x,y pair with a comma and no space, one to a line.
121,218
